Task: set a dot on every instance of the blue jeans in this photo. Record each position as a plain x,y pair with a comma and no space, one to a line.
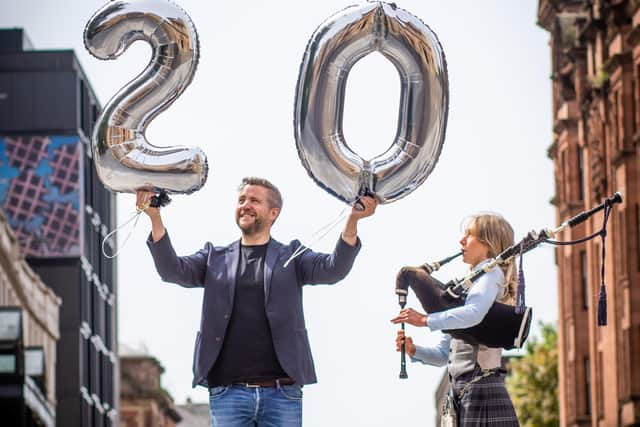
241,406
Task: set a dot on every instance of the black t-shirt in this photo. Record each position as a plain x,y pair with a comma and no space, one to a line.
247,353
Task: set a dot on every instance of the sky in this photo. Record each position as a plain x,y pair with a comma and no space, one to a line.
239,110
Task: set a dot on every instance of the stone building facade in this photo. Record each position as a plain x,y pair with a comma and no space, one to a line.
20,287
595,51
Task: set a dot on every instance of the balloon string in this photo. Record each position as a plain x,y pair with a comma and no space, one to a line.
315,237
136,217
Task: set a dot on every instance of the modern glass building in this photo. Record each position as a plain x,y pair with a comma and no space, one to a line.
61,212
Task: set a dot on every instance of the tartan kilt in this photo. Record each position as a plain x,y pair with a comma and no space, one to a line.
486,402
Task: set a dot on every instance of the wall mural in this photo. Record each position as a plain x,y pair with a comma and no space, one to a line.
40,194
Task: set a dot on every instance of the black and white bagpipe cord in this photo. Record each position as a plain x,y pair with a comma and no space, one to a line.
602,298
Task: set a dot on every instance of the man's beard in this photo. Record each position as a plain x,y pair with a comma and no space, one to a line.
255,227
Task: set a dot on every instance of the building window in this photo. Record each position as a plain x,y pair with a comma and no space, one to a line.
580,173
587,386
600,386
637,237
636,92
595,273
634,98
620,237
564,176
616,122
613,121
584,271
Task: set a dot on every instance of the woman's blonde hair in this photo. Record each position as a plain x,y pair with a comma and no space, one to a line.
494,231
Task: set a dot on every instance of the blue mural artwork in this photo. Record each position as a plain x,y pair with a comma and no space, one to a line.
7,172
40,194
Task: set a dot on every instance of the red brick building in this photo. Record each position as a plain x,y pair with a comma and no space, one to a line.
143,401
595,51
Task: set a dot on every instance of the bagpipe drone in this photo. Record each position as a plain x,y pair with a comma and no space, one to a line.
504,325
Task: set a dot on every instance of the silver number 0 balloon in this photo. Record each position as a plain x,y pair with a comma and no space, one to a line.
333,49
124,160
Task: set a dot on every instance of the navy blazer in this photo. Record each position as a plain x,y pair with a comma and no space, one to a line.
214,268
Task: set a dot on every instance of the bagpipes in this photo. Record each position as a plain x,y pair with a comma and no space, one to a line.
504,325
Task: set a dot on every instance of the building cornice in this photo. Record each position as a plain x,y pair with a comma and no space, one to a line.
547,10
560,125
634,36
591,28
622,155
616,61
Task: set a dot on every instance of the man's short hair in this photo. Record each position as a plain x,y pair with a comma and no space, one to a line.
275,198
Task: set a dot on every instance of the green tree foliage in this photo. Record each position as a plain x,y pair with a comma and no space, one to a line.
533,383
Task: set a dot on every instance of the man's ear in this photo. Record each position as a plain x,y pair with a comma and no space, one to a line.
274,213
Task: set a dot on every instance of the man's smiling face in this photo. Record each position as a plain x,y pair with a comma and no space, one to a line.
253,211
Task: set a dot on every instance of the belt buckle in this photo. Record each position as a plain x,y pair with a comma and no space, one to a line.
249,385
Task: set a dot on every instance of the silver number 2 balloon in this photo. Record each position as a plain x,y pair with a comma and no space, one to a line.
125,161
333,49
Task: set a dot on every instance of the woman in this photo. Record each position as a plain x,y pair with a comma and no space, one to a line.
478,393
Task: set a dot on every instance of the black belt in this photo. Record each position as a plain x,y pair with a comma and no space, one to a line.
268,383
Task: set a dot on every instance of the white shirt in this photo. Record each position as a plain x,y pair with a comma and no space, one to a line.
484,292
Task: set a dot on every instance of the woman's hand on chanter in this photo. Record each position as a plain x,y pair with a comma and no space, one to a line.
410,316
409,347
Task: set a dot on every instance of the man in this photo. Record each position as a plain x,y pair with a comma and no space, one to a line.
252,350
